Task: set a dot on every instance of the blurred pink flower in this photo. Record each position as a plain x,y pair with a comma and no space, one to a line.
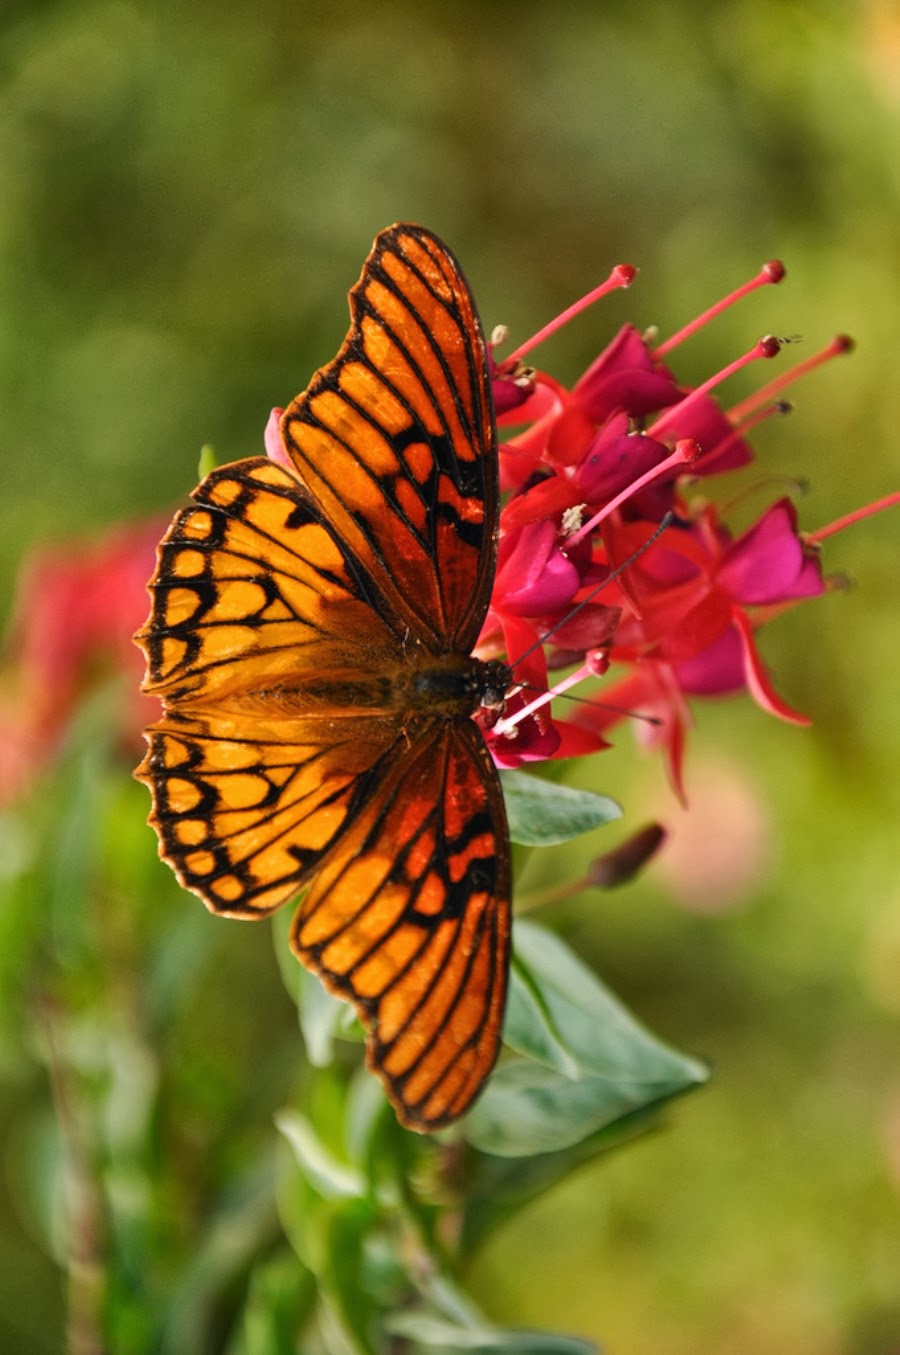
76,610
714,871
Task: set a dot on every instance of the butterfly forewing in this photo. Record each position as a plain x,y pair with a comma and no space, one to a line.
253,589
309,636
396,438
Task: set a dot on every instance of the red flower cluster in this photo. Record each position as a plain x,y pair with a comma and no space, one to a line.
604,559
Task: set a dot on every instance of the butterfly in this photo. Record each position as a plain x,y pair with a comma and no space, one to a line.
310,636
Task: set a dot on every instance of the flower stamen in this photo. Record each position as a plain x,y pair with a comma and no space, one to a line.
842,343
822,533
621,276
766,347
508,722
686,450
771,272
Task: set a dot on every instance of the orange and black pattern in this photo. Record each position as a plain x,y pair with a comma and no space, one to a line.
309,637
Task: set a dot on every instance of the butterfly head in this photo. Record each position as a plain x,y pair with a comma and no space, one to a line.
494,682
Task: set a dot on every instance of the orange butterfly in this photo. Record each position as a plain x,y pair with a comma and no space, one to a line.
310,636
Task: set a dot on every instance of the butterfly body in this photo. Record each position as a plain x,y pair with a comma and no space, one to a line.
310,636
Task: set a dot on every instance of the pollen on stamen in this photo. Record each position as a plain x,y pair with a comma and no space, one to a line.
572,519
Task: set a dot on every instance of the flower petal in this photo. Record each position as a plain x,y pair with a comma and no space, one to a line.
769,562
758,680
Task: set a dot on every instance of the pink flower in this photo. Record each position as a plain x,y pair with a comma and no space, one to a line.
605,559
76,610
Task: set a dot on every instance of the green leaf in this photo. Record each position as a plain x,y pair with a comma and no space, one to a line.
208,461
528,1109
343,1274
589,1061
322,1016
449,1337
542,812
239,1230
331,1179
281,1299
498,1187
448,1321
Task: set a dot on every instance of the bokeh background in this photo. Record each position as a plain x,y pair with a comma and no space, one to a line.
187,193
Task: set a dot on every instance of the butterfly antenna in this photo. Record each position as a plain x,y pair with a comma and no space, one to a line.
590,701
667,521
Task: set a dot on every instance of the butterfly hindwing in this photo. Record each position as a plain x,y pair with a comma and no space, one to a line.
247,803
408,917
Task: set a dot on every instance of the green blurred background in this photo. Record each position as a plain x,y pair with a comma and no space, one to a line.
187,193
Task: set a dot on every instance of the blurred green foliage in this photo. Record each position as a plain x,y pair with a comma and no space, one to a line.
188,192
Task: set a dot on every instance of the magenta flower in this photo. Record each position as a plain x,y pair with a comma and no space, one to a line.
605,559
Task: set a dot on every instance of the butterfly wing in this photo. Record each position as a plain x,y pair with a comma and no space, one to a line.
254,591
245,804
396,440
284,606
408,918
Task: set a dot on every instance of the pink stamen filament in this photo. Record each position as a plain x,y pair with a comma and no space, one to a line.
621,276
792,483
508,722
767,347
771,272
822,533
777,407
760,416
838,345
686,450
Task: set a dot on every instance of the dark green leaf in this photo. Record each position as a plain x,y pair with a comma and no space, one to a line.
529,1109
497,1187
343,1274
589,1061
